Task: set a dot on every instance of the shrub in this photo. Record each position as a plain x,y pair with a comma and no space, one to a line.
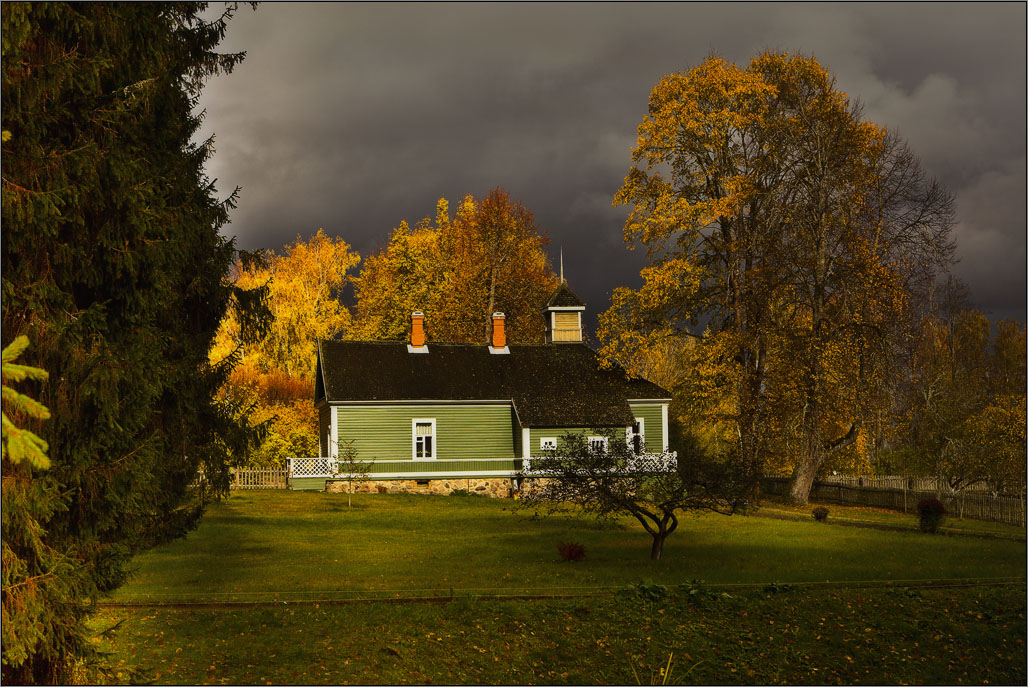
697,593
930,511
820,513
571,551
644,591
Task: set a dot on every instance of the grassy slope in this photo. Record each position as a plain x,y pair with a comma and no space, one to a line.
259,544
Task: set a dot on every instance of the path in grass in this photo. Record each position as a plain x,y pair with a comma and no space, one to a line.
794,637
290,545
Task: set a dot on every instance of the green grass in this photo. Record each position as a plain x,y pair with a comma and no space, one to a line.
839,636
283,547
866,515
261,544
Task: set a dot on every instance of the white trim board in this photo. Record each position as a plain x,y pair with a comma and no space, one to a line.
374,476
427,401
333,447
664,424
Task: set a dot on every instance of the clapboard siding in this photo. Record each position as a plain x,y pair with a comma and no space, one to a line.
537,433
653,432
462,431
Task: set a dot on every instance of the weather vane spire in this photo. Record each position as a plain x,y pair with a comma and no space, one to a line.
562,264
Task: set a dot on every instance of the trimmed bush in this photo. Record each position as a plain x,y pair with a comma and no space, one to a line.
820,513
571,551
931,512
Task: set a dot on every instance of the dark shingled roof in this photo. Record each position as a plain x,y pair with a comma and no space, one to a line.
550,385
564,297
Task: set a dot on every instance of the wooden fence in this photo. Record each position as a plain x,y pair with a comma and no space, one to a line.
909,483
244,478
977,506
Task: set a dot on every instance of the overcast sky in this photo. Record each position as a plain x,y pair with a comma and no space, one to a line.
352,117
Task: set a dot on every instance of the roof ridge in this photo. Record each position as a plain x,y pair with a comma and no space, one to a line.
485,344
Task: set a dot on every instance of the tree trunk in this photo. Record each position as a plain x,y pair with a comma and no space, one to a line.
658,545
808,464
801,481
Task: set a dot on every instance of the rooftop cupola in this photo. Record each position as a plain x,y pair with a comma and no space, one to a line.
563,313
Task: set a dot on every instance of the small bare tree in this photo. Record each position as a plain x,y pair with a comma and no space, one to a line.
350,468
613,480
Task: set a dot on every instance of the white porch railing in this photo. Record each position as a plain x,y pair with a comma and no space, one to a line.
666,461
311,467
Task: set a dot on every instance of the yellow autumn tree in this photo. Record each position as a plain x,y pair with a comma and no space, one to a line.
305,284
488,257
403,277
274,380
773,212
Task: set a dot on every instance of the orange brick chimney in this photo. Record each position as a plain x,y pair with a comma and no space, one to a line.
417,333
498,344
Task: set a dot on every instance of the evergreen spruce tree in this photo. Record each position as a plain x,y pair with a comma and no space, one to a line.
113,265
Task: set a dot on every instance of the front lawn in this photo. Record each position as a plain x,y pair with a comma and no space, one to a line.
808,602
282,545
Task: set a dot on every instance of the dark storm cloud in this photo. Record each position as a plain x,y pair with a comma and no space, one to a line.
353,117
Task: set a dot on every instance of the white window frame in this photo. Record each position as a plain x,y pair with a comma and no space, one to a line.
630,435
414,438
590,440
543,441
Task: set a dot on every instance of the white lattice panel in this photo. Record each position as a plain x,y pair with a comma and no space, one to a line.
312,467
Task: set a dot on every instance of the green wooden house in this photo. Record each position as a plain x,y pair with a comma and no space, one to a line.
434,417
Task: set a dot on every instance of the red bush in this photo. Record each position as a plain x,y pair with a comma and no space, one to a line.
570,551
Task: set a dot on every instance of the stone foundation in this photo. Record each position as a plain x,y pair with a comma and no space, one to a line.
495,487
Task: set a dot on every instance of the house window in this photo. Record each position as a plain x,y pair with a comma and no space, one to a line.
423,438
598,444
636,436
547,443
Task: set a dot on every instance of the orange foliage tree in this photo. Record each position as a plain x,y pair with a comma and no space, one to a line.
458,270
770,209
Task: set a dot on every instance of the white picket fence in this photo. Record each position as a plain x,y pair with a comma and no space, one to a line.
252,478
244,478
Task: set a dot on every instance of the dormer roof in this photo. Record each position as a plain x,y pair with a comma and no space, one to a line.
563,297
